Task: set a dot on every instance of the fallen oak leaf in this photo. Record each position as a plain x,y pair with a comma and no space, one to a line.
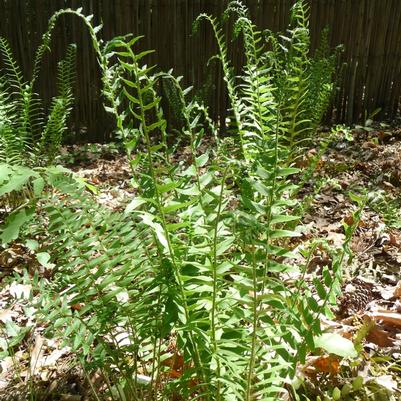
176,365
349,220
175,362
373,334
174,374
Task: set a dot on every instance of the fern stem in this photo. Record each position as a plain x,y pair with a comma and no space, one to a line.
255,320
271,199
257,306
190,131
94,392
214,295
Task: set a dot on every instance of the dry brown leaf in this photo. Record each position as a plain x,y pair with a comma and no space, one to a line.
397,290
387,317
349,220
380,337
7,315
394,240
76,307
176,365
337,239
327,364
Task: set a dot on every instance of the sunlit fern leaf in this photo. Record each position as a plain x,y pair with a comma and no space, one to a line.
321,72
259,108
15,90
56,125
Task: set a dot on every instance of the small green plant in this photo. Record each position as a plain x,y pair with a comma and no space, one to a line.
387,207
28,140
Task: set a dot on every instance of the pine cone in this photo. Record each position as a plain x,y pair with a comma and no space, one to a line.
357,293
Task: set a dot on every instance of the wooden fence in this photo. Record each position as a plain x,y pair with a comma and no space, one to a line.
369,29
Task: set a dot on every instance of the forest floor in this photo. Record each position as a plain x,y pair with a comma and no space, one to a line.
369,308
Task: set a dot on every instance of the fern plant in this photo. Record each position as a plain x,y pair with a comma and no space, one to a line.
189,292
26,136
28,140
305,83
279,78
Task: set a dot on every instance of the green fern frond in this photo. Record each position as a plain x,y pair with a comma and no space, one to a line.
321,85
229,78
66,74
56,125
41,50
13,72
191,114
259,106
